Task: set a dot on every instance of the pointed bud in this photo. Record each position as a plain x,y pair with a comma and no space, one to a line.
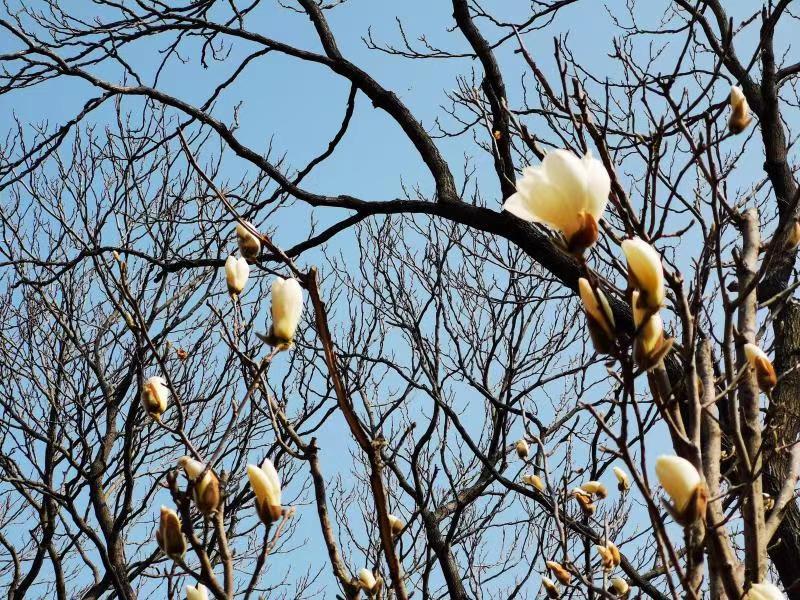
249,244
287,308
522,449
533,481
396,525
650,347
584,500
169,535
623,484
599,317
368,582
206,489
266,486
196,593
619,587
609,556
685,487
550,588
559,572
760,363
645,273
793,237
769,501
596,488
236,273
740,111
154,397
764,591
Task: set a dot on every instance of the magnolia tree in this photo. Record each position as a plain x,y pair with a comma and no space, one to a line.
565,365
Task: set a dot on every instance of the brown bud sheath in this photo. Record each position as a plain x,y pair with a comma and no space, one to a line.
169,535
585,237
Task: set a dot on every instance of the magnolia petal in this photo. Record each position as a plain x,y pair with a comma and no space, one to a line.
679,479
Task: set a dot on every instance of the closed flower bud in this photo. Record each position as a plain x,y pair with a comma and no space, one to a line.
533,481
368,582
266,486
196,593
599,317
645,273
206,489
650,347
522,449
623,483
550,588
236,273
619,587
740,111
765,372
287,307
566,193
609,556
584,500
685,487
396,525
596,488
764,591
559,572
769,501
154,397
249,244
169,535
793,237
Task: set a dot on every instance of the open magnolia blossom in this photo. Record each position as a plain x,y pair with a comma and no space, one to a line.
550,588
559,572
154,397
685,487
596,488
609,555
645,273
533,481
522,449
599,317
267,487
764,591
368,582
206,489
169,535
650,347
287,308
618,586
396,525
236,273
623,483
196,593
566,193
760,363
249,244
740,111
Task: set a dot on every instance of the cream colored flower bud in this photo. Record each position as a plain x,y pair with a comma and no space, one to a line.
196,593
609,556
650,347
249,244
206,489
645,273
769,501
236,273
760,363
599,317
169,535
764,591
368,582
522,449
566,193
623,483
793,237
685,487
266,486
533,481
550,588
618,587
396,525
154,397
740,111
559,572
287,308
596,488
584,500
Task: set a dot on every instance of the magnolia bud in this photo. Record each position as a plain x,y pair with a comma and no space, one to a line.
522,449
287,307
645,273
584,500
196,593
769,501
154,397
369,583
685,487
650,347
596,488
764,591
533,481
609,556
266,486
396,525
236,273
793,237
559,572
550,588
206,489
760,363
740,111
623,484
599,317
169,535
249,244
619,587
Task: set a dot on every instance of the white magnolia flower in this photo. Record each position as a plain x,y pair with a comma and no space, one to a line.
740,111
196,593
645,272
154,397
266,486
522,449
759,361
623,482
287,307
169,535
566,193
368,581
396,525
236,273
249,244
685,487
764,591
206,489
